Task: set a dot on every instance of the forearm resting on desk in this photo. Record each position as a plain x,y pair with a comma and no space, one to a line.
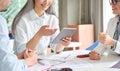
30,57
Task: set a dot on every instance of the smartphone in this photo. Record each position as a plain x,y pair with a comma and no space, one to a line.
62,69
82,56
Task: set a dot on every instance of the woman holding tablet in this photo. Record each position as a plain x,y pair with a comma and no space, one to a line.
36,26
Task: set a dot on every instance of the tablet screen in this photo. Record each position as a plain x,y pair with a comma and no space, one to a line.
64,33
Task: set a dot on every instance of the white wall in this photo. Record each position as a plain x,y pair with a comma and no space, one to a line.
107,14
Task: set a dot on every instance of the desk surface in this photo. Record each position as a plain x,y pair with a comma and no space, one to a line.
100,65
97,65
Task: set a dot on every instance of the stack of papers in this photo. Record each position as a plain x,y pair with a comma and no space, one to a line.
73,63
40,67
66,60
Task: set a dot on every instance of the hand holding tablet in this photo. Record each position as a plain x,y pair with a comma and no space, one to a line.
65,32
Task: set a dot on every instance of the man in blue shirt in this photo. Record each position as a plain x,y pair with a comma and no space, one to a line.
8,60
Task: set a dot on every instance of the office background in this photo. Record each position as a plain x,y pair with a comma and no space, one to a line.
75,12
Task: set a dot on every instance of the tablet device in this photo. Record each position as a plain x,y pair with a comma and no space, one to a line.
64,33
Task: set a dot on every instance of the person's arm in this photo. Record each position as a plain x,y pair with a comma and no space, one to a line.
115,44
34,41
64,42
44,31
9,61
97,52
21,35
30,57
20,38
105,41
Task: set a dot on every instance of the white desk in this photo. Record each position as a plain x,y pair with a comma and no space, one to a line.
100,65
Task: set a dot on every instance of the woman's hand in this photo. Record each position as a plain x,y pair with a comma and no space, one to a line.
46,31
93,55
66,41
21,55
30,57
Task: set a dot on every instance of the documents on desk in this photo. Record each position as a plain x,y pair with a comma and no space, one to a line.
66,60
73,63
40,67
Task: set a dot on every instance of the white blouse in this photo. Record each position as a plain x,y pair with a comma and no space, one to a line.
29,25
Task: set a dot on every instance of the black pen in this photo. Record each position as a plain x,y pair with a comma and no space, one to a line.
41,63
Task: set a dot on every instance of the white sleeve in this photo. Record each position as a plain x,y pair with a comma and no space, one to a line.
10,62
100,48
20,37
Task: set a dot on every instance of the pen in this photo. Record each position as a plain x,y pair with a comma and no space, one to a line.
82,56
41,63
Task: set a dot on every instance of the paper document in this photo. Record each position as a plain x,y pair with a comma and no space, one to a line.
40,67
66,60
73,63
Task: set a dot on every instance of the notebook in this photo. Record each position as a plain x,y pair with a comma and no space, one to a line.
116,65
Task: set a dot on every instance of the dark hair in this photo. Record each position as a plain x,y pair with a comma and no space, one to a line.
28,7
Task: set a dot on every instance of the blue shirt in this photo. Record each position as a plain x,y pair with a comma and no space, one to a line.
8,60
